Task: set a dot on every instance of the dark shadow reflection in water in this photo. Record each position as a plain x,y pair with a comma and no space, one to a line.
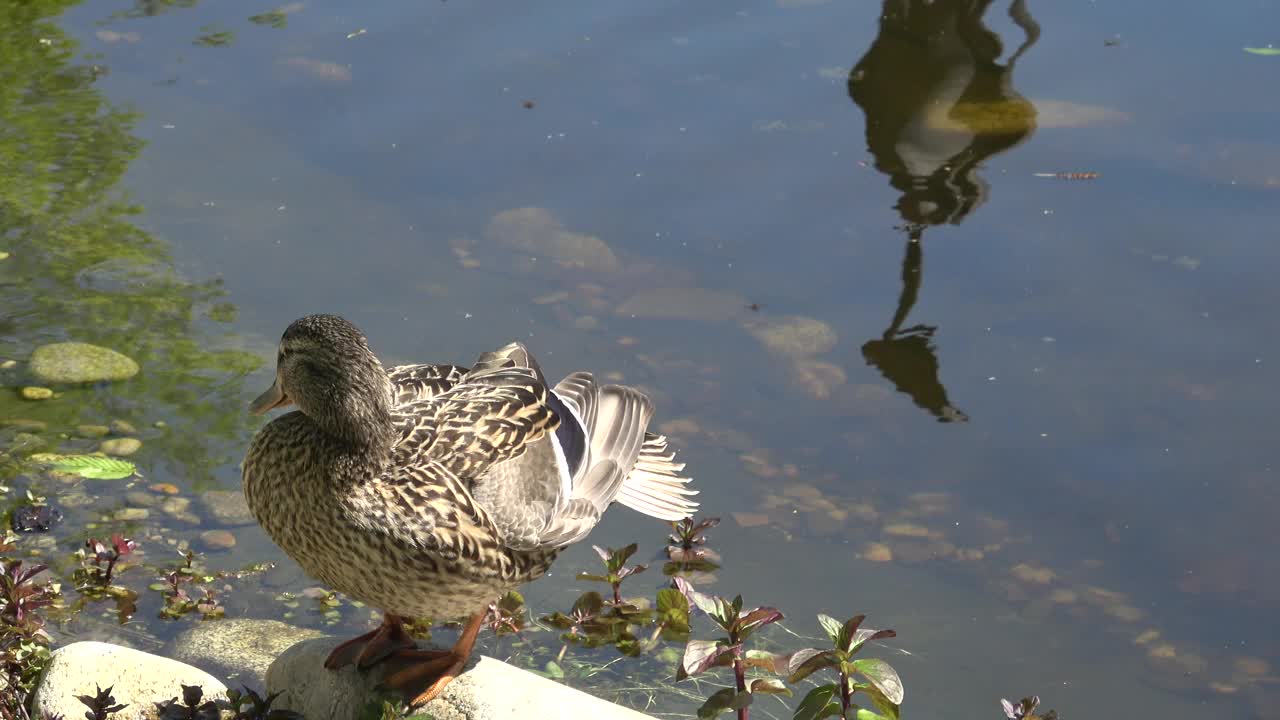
938,103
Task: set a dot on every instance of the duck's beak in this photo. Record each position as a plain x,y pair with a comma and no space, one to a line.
273,398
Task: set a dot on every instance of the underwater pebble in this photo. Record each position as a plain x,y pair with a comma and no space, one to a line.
750,519
1126,613
1101,596
121,446
586,322
1064,596
164,488
131,514
218,539
818,378
1146,637
909,530
877,552
92,432
175,505
1252,666
680,427
1034,574
122,427
74,362
36,393
687,303
138,498
75,500
8,364
792,335
228,507
969,554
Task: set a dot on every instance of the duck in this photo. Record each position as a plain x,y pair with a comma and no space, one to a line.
429,491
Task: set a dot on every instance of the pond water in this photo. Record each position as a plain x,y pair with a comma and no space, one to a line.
957,311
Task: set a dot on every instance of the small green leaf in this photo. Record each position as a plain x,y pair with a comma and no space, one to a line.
831,625
819,703
866,635
883,676
865,714
724,700
554,670
882,703
803,663
1268,50
847,632
94,467
769,686
767,661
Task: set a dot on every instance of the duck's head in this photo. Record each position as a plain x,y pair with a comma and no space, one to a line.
326,369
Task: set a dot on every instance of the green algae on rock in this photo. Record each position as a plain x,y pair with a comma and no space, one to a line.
77,362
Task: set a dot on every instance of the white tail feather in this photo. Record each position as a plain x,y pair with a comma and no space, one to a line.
653,486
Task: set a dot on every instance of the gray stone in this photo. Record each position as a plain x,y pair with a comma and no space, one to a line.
227,507
75,362
126,514
217,540
137,679
486,690
240,650
123,427
120,446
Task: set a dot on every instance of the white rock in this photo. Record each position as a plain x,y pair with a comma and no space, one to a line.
488,689
240,650
137,679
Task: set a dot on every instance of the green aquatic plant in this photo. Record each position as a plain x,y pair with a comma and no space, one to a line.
616,569
1025,709
880,682
687,550
738,626
24,643
246,704
506,617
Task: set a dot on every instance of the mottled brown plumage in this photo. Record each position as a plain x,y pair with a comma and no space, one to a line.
430,490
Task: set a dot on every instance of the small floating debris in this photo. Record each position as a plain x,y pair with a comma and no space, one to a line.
1268,50
35,518
356,33
1068,175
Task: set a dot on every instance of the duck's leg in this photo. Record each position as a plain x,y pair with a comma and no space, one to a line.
372,647
425,673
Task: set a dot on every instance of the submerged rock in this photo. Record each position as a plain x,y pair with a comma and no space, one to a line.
137,679
241,650
76,362
227,507
793,335
536,231
120,446
36,393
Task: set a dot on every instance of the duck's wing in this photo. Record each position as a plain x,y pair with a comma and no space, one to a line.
413,383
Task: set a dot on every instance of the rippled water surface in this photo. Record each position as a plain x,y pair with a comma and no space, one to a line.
960,313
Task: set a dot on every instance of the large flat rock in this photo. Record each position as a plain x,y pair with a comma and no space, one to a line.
487,690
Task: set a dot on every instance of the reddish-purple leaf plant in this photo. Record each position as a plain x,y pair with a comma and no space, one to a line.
688,550
702,655
616,569
1025,709
872,677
